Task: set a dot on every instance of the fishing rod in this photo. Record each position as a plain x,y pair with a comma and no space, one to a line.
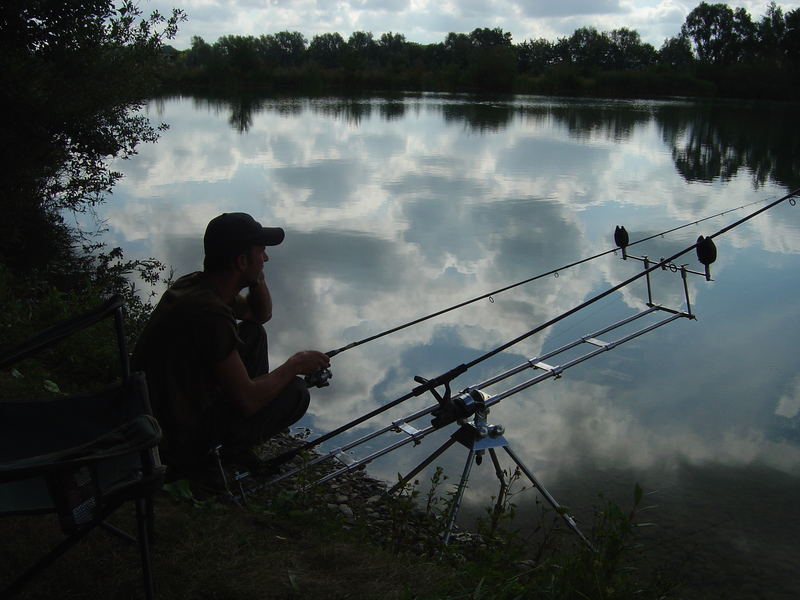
705,249
706,254
555,271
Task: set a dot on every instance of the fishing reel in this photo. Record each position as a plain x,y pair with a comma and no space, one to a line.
452,409
319,378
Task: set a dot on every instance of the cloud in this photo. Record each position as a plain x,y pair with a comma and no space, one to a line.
789,403
389,219
569,8
429,21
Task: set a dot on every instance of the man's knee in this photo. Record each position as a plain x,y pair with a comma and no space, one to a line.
296,392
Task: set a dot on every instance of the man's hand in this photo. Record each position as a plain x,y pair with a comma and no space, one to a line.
308,362
250,395
259,301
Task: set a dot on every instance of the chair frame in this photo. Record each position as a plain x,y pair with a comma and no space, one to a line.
140,492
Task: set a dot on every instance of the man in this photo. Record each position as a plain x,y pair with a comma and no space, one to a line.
208,376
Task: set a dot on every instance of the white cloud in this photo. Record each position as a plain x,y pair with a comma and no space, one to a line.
789,403
429,21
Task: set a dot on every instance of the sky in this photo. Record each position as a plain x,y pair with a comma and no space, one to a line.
429,21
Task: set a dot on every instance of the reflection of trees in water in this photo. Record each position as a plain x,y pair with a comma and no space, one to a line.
351,111
391,111
244,107
615,121
480,117
242,110
707,140
710,141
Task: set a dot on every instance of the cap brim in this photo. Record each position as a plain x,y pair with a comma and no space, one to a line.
271,236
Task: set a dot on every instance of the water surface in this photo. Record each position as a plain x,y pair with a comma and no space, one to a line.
398,207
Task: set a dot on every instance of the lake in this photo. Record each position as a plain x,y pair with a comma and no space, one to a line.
398,207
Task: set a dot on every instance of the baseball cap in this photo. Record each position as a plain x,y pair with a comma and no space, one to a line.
230,232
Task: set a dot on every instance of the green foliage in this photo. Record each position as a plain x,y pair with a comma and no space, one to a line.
73,76
37,300
676,53
487,60
327,49
549,563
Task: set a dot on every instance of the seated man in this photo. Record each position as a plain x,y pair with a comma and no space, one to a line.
208,376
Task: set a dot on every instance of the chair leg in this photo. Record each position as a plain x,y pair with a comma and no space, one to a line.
46,561
116,531
144,514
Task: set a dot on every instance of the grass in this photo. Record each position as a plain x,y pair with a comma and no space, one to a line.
220,552
301,549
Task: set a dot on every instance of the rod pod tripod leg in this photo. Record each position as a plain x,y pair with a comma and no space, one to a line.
568,519
478,437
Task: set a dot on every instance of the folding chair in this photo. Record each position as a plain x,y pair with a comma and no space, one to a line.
81,456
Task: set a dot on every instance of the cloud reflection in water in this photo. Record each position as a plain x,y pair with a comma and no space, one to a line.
396,209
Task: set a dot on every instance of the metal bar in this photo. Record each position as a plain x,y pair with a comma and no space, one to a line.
666,309
433,456
553,372
395,426
119,328
366,459
344,458
462,485
686,291
547,496
578,342
114,530
501,493
51,335
666,265
144,548
526,384
60,549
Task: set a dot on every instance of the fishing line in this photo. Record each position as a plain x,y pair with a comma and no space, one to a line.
554,272
445,378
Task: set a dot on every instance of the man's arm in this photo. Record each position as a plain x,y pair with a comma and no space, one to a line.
251,395
259,302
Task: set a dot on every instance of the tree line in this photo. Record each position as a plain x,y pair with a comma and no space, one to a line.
717,51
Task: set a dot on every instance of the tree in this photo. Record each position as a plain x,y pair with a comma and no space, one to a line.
711,28
327,49
746,44
490,38
458,48
363,48
200,53
535,56
628,51
771,32
291,47
240,54
392,48
676,52
73,76
790,45
589,48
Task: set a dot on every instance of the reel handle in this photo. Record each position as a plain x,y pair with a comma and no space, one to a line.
319,378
